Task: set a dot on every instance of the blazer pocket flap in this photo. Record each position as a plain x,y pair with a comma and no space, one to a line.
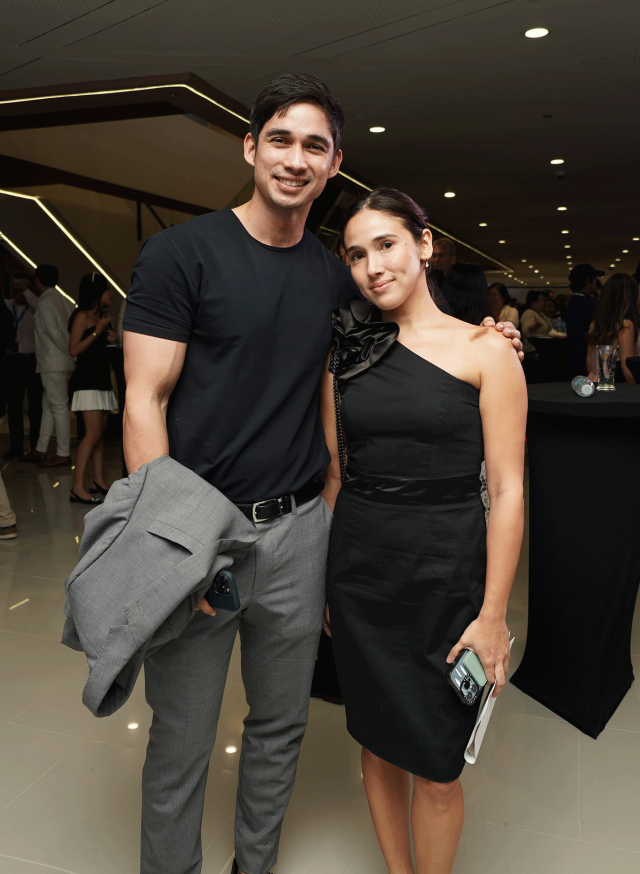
175,535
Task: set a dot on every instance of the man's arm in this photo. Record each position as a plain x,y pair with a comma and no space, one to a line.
332,480
152,367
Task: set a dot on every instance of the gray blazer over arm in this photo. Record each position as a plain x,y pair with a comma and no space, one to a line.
148,555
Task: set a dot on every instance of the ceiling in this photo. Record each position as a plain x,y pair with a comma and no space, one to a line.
469,104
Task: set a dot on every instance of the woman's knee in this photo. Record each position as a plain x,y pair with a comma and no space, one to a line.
444,795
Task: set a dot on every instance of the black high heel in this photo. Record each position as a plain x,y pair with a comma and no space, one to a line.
97,490
76,499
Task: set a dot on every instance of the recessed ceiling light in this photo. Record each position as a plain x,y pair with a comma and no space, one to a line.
547,282
536,32
524,260
502,241
625,251
564,232
568,256
558,161
377,129
536,271
612,265
568,246
231,750
617,259
530,266
562,209
482,225
132,725
635,239
449,194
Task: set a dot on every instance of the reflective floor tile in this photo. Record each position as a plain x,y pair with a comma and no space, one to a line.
32,605
20,866
31,667
610,789
526,775
494,849
62,710
87,811
327,830
627,716
25,755
329,755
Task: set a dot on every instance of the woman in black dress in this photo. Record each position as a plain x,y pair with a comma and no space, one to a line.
414,576
90,333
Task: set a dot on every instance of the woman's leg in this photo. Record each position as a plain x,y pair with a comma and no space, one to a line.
387,789
93,433
437,816
97,456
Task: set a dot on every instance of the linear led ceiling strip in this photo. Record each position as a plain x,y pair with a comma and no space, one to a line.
67,233
5,239
236,115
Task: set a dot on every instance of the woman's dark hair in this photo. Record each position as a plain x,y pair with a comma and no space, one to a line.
465,288
92,287
292,88
402,207
502,290
618,301
533,296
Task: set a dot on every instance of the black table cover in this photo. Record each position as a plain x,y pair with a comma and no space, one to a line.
554,358
584,551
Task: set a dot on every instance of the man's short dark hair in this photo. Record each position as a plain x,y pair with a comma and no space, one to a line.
292,88
48,275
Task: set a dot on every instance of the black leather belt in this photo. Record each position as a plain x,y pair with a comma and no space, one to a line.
264,511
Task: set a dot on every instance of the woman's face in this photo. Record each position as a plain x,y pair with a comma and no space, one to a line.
495,299
386,260
106,299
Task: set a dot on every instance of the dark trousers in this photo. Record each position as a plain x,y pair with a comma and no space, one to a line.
20,377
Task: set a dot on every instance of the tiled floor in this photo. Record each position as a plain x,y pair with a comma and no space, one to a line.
542,798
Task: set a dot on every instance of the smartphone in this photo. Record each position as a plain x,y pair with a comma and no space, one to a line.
223,594
467,677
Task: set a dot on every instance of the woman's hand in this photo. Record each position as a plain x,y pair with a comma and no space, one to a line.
102,325
111,335
489,640
327,621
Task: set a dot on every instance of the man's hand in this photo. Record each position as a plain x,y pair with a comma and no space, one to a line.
509,331
206,607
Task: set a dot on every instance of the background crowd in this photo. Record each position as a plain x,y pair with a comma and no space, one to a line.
56,357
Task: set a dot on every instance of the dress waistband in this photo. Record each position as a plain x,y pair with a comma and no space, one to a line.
402,490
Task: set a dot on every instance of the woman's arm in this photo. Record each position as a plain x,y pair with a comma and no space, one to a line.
332,480
81,322
503,407
626,341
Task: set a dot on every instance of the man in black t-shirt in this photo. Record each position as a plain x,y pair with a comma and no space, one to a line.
227,332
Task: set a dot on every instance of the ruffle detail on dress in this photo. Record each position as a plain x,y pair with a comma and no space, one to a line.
360,338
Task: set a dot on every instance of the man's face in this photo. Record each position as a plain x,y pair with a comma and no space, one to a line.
442,258
295,157
18,287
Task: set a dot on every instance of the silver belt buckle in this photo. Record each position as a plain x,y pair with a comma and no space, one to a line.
260,503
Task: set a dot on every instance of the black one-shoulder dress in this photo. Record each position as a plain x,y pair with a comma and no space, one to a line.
407,557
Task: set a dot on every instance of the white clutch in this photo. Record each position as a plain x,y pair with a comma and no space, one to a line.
480,728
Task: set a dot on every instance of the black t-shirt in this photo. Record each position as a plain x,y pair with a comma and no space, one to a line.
244,414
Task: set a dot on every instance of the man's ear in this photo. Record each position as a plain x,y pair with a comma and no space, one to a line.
335,164
250,150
